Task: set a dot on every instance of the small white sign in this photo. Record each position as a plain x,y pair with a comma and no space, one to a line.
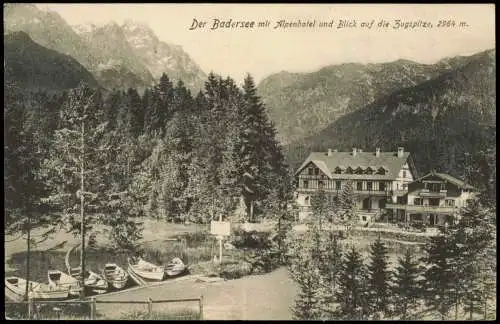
220,228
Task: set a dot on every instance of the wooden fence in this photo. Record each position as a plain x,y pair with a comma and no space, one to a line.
33,306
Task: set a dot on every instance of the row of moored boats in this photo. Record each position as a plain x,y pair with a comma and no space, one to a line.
113,277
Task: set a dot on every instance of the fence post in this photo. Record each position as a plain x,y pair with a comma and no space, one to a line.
150,306
92,308
30,304
201,307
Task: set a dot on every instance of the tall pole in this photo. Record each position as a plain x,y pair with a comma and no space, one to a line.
82,217
220,241
28,228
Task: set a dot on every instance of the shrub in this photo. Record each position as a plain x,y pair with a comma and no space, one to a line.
250,240
234,270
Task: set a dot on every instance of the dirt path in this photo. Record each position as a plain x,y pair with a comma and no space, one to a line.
260,297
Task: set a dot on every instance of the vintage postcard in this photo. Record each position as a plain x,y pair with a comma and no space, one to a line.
250,161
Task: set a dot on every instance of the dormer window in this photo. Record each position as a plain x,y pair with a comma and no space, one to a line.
338,170
369,171
381,171
348,170
359,170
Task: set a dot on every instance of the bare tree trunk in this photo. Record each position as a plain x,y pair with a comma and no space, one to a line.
28,242
82,217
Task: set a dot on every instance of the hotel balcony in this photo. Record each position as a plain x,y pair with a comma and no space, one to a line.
433,194
423,209
382,193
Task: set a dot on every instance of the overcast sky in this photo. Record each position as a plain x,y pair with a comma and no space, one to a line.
265,51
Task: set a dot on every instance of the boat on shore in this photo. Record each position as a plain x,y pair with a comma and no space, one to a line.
59,280
93,281
115,275
146,270
15,290
175,267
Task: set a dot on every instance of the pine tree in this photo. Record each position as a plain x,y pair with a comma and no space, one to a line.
75,169
378,278
319,206
304,269
351,295
406,288
307,303
348,215
471,237
330,272
23,140
439,277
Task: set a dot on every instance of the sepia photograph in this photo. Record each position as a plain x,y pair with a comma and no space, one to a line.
223,161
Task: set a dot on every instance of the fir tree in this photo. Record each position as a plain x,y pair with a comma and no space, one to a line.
351,295
330,272
378,278
406,288
75,170
439,277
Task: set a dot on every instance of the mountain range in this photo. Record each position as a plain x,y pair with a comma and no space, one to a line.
35,67
118,56
302,104
440,119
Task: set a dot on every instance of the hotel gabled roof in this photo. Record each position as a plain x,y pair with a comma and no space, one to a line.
388,160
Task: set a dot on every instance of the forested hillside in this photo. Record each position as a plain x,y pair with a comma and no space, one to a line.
165,154
33,66
303,104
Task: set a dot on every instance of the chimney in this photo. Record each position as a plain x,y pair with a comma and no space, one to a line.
377,152
329,152
353,151
400,152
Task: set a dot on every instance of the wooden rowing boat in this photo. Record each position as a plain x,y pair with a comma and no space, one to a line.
146,270
15,289
93,282
115,275
175,267
59,280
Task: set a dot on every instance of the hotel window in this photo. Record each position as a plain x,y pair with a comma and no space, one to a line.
316,171
359,186
311,171
369,186
405,186
449,202
404,174
443,186
338,185
418,201
321,184
381,186
306,184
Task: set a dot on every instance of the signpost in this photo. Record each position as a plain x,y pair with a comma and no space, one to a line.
220,229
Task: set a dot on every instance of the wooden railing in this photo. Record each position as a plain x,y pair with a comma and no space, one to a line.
92,302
